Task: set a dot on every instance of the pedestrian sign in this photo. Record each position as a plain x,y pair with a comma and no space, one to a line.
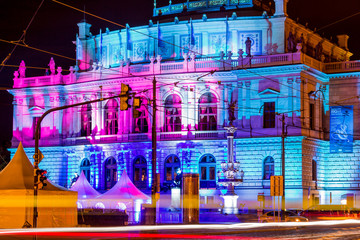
276,186
40,157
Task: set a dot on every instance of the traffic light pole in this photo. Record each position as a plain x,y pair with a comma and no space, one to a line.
38,153
154,184
283,135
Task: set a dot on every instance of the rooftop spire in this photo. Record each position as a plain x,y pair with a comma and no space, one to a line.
281,7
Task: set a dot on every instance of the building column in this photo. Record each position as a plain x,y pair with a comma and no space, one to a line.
240,102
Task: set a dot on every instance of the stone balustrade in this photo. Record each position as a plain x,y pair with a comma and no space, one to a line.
192,64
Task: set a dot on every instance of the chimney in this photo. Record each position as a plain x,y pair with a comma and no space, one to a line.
343,41
84,29
281,7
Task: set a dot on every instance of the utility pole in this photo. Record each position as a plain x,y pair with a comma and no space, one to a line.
154,184
283,135
38,154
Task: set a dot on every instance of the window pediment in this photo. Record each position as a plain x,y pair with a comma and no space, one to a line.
269,91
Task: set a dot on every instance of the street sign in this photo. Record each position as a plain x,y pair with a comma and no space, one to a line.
41,156
276,186
261,198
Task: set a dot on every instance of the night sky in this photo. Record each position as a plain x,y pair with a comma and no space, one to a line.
54,28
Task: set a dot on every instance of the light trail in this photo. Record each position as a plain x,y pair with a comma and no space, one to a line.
134,235
127,229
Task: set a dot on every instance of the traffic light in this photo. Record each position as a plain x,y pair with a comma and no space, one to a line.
136,105
41,177
124,97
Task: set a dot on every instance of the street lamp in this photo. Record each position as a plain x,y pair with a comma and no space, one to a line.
233,175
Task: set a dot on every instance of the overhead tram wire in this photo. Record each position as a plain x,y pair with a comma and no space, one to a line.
200,54
163,41
36,49
104,19
155,38
21,37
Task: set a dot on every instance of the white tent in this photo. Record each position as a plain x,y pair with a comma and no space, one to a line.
124,191
123,195
56,205
85,191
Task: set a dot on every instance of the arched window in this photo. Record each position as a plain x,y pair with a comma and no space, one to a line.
207,112
86,120
110,173
172,163
173,113
140,172
85,167
314,170
207,167
111,117
268,168
141,119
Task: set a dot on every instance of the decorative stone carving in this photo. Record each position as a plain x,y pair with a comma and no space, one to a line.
255,38
229,55
291,42
52,66
22,69
248,44
16,74
152,59
241,53
94,66
158,58
192,56
234,16
204,17
140,50
275,48
298,47
128,62
217,43
59,70
186,46
222,55
185,56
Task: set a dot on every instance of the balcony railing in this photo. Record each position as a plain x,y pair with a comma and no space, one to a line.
192,64
137,137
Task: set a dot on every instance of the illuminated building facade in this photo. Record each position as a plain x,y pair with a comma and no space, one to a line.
205,59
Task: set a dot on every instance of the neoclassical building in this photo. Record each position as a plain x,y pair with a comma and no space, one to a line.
210,60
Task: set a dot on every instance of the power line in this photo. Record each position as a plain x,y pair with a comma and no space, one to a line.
22,37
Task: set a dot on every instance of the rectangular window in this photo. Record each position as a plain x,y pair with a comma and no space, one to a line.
211,173
168,174
137,174
312,116
143,174
269,115
35,121
203,173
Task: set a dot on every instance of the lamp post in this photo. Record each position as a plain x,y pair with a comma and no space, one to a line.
233,175
38,156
